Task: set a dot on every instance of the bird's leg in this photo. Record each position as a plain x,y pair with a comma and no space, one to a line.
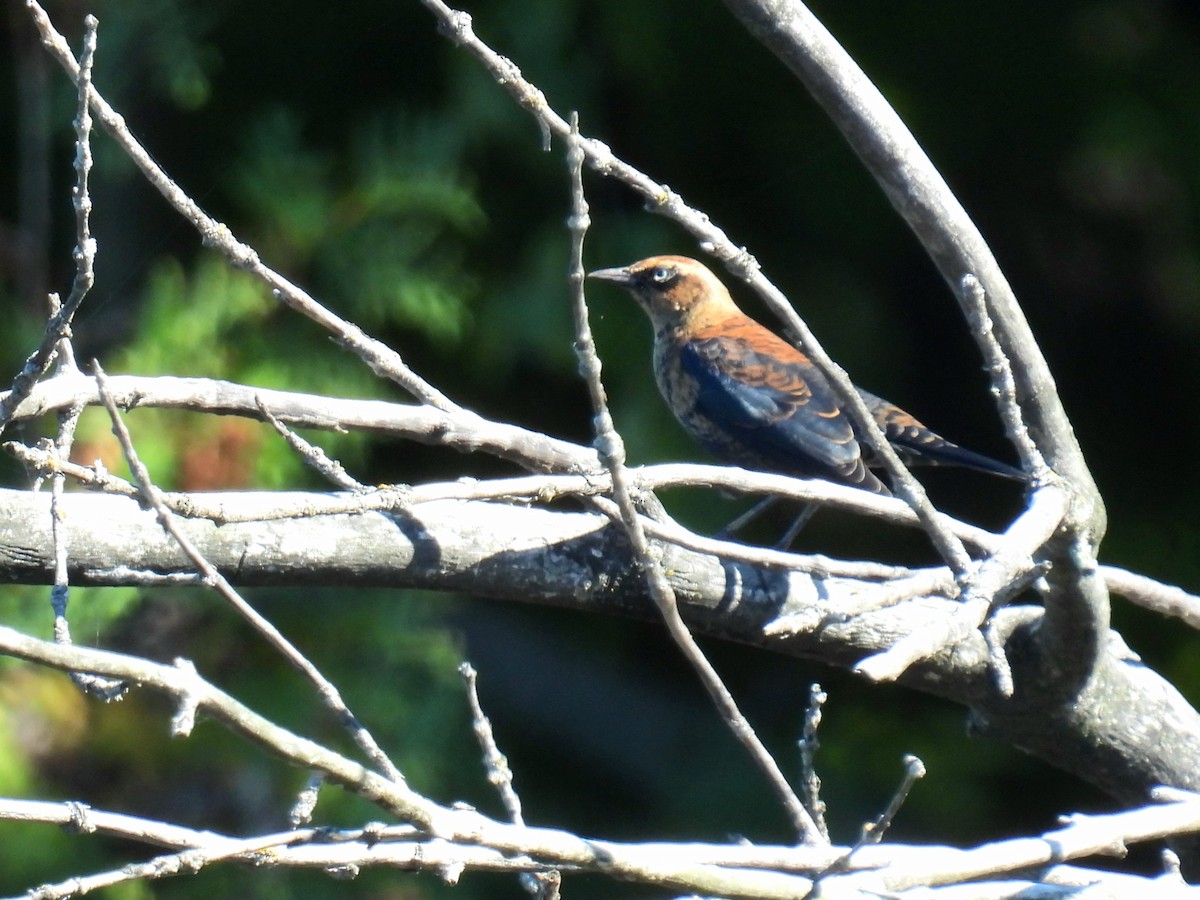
746,518
806,513
798,523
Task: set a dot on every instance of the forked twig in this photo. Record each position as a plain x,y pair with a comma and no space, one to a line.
214,579
542,885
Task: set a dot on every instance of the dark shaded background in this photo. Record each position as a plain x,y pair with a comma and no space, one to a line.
379,167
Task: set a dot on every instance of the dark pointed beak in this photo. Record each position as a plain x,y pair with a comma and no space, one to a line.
620,276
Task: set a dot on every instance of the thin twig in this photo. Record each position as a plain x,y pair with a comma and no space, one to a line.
499,775
60,593
816,564
612,454
214,579
809,743
59,325
460,429
306,801
547,488
998,662
1165,599
84,257
332,470
1000,372
873,832
543,885
185,862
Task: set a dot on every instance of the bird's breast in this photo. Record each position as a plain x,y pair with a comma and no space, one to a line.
677,386
682,391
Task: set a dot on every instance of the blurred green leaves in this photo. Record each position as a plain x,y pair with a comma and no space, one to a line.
381,226
378,230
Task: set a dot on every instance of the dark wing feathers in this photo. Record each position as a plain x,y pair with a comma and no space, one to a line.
773,402
767,400
917,445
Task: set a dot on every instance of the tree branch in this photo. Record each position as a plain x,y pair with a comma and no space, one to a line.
1129,731
425,424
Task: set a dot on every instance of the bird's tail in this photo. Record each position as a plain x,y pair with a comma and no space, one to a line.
933,450
918,445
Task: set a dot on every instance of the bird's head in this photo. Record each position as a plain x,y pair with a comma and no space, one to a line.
675,291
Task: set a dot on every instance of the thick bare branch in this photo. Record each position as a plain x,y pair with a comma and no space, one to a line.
1126,732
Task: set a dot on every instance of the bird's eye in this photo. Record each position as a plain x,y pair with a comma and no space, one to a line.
663,275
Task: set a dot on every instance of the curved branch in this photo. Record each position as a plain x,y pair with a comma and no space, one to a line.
1078,613
920,194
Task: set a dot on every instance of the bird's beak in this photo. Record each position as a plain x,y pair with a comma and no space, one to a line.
620,276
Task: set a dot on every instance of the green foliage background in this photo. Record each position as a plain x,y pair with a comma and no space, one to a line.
376,165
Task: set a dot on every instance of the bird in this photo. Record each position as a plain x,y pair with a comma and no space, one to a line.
752,399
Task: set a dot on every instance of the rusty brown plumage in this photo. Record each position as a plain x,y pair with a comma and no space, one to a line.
753,399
